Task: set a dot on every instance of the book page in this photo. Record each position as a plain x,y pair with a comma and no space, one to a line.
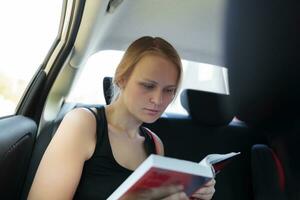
215,160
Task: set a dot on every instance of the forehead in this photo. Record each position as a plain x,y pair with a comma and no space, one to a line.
156,68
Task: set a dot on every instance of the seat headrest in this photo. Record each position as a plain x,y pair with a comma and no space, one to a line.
107,89
262,46
207,108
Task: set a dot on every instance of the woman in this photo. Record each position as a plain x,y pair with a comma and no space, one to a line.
94,151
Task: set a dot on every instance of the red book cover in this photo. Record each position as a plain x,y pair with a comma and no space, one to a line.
159,171
156,177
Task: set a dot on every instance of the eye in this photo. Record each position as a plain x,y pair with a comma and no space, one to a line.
170,90
148,86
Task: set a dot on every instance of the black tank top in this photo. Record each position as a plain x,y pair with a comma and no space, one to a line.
102,174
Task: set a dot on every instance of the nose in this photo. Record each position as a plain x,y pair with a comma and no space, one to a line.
156,97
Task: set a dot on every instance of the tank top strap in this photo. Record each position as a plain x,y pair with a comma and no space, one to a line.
100,122
102,137
150,142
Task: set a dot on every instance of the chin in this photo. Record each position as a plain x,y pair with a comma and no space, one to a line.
147,118
150,120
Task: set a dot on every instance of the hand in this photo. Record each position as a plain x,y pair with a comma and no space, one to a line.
206,192
174,192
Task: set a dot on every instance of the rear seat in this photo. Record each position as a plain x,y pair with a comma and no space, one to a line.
207,129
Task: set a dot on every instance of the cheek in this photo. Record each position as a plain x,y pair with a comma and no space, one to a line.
168,99
140,93
135,94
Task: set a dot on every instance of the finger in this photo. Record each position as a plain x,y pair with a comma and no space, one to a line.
212,182
208,187
202,197
204,193
205,190
165,191
177,196
154,193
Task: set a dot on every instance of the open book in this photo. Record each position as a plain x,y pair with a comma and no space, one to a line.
157,171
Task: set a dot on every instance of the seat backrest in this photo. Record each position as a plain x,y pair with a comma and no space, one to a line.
17,136
269,176
262,46
207,129
108,89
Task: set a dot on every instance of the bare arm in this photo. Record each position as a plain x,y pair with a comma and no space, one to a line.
60,169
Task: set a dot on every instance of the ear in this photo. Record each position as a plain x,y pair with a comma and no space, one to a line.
122,83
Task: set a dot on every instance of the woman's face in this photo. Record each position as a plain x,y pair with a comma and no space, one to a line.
150,88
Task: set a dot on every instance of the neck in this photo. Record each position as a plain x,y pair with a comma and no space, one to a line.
121,120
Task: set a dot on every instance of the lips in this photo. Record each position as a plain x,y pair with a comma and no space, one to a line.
152,111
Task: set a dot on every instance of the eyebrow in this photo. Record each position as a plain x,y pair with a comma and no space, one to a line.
156,83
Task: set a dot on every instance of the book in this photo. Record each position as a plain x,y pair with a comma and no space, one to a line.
159,171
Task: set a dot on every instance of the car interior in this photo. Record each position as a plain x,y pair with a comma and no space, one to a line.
257,41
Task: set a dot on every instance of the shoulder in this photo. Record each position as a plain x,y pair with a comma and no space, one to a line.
158,143
61,166
81,114
82,119
80,124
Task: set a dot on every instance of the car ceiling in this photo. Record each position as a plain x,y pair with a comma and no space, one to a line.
194,27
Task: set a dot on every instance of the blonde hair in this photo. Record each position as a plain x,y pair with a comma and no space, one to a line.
139,48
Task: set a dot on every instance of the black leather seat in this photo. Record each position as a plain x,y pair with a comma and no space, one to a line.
15,150
268,173
210,128
107,89
262,56
208,108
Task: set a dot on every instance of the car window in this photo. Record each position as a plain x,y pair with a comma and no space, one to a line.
88,86
28,29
